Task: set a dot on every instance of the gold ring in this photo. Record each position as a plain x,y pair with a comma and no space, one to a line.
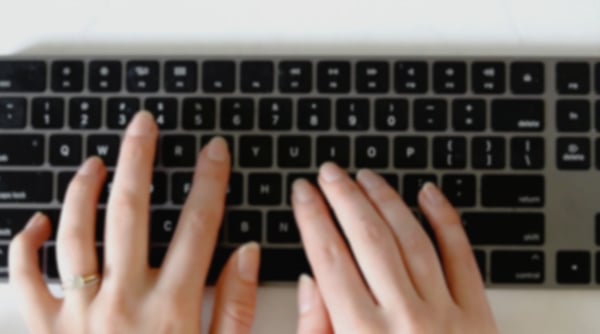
78,282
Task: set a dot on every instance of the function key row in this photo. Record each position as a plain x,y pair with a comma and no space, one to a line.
264,76
277,114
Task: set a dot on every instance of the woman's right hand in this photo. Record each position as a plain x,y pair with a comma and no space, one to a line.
389,279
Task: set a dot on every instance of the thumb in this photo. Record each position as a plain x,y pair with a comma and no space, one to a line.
312,314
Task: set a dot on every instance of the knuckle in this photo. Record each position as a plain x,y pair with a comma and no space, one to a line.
201,220
124,203
239,311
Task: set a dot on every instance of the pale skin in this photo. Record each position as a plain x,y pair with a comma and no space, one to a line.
395,282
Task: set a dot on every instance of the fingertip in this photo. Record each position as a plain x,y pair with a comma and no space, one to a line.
248,262
142,124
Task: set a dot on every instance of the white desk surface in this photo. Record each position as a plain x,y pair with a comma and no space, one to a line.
391,27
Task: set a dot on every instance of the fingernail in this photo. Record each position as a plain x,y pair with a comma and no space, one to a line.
90,166
432,194
143,124
330,172
36,221
301,191
248,260
368,178
217,149
306,294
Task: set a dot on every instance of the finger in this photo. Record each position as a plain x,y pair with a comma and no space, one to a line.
312,314
462,273
374,248
190,253
35,300
75,246
126,242
415,247
342,287
235,300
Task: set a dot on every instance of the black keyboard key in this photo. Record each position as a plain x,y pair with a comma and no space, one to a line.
598,78
573,267
13,113
164,111
372,77
120,111
527,153
518,115
333,148
449,152
310,177
64,178
257,77
25,187
281,227
524,190
430,114
142,76
162,225
105,147
243,226
459,189
522,267
105,76
264,189
527,77
179,150
488,77
295,76
3,261
218,76
391,179
48,113
573,115
352,114
488,152
412,184
67,76
199,114
333,77
237,114
497,228
158,189
410,152
449,77
181,76
275,114
65,150
289,264
256,151
105,192
391,114
181,184
235,189
314,114
294,151
468,115
21,150
85,113
411,77
573,153
371,152
480,259
572,78
22,76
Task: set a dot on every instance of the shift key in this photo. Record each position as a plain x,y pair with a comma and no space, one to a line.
512,190
25,187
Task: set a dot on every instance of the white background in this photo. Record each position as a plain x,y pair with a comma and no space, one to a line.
439,27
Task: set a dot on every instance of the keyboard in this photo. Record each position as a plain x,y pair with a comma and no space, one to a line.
513,142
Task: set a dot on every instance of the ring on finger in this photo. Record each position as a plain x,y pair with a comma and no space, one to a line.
79,282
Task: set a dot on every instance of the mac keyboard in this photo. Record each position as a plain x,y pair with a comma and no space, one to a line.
513,142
